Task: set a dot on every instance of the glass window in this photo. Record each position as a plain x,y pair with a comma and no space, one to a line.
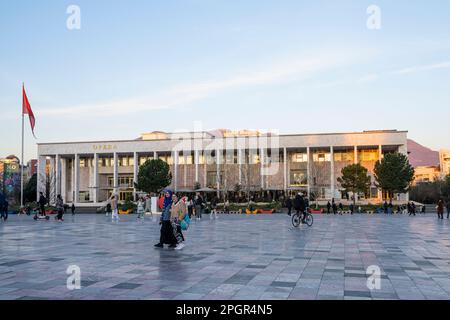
300,157
299,177
321,157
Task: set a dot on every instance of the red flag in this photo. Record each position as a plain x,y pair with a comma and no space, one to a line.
26,109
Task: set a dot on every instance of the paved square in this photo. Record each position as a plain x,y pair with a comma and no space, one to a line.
235,257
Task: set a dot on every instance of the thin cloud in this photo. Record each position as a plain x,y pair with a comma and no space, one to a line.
414,69
183,95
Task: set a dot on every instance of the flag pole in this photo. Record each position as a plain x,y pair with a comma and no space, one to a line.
21,170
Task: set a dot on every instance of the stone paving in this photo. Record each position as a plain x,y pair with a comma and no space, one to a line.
234,257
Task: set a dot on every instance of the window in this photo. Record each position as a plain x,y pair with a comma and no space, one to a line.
368,155
343,156
300,157
321,157
298,178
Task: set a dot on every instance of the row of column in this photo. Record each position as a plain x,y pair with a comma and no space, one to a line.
58,169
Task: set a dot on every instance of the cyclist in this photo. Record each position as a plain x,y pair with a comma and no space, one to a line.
300,205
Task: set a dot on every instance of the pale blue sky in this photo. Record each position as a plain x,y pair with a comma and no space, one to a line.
293,66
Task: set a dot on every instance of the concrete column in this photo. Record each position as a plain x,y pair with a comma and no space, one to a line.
355,154
380,156
64,179
308,172
285,162
135,173
218,159
116,175
42,161
240,165
155,155
261,162
58,174
175,169
196,160
332,171
76,190
96,185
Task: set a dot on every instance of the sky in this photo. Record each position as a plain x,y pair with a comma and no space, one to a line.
295,66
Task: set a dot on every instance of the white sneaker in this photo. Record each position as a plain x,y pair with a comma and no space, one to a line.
180,246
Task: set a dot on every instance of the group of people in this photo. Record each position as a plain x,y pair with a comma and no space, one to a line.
440,209
338,209
61,207
174,215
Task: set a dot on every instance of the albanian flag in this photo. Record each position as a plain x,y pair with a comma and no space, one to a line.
26,109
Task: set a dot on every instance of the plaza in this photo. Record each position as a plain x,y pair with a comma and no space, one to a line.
235,257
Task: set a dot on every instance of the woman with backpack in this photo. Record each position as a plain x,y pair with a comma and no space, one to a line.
177,215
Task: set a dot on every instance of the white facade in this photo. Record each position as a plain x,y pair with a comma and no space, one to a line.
88,172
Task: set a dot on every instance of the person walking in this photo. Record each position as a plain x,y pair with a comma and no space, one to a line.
190,207
42,202
411,208
341,208
448,209
440,209
198,206
115,209
4,210
59,208
334,206
72,209
148,206
177,214
289,205
140,208
108,209
214,202
166,232
328,207
352,208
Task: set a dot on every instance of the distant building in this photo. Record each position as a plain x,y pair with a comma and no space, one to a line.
423,174
30,169
444,159
9,176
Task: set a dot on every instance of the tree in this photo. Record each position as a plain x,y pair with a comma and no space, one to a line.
197,185
394,174
154,175
354,179
30,190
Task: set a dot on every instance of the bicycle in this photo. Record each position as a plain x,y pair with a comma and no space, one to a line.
297,219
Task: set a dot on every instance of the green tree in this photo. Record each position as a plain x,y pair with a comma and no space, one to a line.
30,189
197,185
154,175
394,173
354,179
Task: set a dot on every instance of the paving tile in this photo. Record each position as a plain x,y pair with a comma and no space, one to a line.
235,257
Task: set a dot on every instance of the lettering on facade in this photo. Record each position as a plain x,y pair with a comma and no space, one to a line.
104,147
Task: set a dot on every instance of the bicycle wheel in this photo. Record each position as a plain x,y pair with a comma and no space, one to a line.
296,220
309,219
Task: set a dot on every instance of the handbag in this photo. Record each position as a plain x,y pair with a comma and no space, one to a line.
184,226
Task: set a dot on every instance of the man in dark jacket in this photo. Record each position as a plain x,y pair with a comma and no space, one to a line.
42,202
299,205
328,207
289,205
